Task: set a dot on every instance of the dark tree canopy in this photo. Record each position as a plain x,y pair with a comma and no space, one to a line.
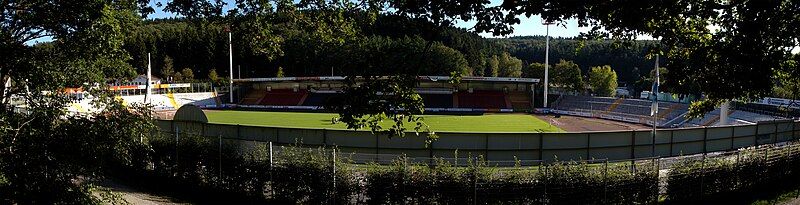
722,49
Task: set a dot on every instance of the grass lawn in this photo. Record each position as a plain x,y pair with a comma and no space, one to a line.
439,123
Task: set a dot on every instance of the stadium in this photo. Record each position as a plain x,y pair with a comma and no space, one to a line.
399,102
493,117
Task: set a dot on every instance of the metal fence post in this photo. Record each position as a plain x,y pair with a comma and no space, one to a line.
605,181
177,133
788,162
220,158
546,182
793,146
334,175
657,162
271,171
702,179
475,184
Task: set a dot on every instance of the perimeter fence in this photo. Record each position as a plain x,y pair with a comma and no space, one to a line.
567,146
324,175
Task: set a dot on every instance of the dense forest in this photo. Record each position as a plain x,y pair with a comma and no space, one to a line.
628,59
389,40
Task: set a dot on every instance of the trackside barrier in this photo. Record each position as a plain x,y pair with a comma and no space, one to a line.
613,145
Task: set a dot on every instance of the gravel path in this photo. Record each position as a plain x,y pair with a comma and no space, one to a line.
134,196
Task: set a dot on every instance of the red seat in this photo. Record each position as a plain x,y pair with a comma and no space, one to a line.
482,99
283,97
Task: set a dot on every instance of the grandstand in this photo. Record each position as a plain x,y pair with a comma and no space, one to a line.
670,114
474,94
163,96
620,109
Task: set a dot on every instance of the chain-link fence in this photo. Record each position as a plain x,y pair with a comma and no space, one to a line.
298,174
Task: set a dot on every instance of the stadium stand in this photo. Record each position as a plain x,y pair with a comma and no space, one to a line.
751,116
203,99
519,100
437,100
253,97
491,94
482,99
318,98
631,110
735,117
284,97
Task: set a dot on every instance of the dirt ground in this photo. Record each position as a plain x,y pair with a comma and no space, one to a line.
579,124
134,196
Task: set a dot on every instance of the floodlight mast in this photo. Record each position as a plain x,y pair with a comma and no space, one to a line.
230,71
149,94
546,61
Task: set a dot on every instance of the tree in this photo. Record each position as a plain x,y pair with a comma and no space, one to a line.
722,49
214,77
178,77
444,60
480,69
603,80
167,71
622,57
533,70
568,75
662,78
187,75
494,66
44,149
788,87
279,74
509,66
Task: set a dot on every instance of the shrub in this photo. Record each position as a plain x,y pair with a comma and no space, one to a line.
723,176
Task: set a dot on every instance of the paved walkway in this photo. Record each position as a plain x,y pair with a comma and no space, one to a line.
134,196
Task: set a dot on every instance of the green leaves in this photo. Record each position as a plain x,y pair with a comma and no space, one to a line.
567,74
603,80
369,100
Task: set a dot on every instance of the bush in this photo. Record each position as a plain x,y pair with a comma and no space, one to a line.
407,182
306,175
748,171
303,175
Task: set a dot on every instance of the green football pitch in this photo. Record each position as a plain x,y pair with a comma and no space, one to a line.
439,123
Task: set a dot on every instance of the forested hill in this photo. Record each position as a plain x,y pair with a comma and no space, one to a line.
626,58
391,42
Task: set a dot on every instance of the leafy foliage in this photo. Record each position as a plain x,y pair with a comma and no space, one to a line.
727,176
628,59
603,80
722,49
509,66
306,175
567,74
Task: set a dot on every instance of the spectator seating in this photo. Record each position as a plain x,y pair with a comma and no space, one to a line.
520,100
284,97
253,97
437,100
318,98
482,99
624,108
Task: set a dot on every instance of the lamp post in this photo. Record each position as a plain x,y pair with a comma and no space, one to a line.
149,94
230,72
546,60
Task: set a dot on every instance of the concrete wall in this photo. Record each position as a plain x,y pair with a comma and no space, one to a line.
615,145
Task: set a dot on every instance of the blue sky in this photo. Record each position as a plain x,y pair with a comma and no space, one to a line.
528,26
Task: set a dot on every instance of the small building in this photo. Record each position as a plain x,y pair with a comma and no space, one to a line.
142,80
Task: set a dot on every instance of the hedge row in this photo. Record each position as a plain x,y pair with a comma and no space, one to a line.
207,166
748,171
296,174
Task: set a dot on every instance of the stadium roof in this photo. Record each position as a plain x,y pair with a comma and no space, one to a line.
424,78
